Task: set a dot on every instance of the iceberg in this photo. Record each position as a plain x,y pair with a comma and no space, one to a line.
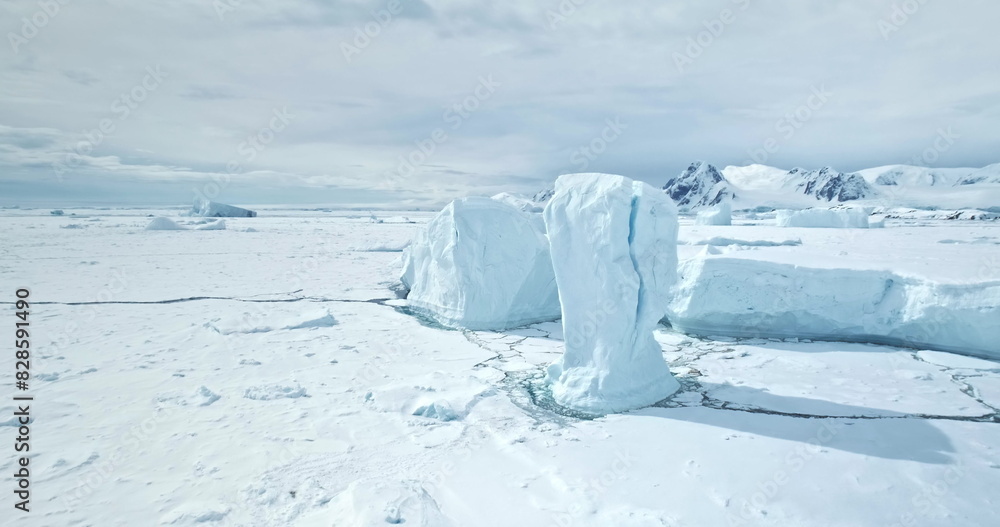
520,202
614,252
737,297
721,215
837,218
481,264
211,209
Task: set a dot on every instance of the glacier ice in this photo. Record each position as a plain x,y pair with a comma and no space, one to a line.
520,202
748,298
481,264
614,251
839,218
721,215
211,209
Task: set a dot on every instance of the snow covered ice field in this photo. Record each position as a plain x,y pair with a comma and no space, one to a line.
265,374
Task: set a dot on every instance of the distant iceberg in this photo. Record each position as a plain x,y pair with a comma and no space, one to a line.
838,218
211,209
721,215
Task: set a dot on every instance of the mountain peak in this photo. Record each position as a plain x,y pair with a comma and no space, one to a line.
701,185
831,185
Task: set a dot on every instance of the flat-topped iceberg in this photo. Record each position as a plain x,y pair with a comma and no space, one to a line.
211,209
749,298
838,218
481,264
614,251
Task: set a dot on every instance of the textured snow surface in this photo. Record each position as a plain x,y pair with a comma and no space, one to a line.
614,251
141,416
481,264
737,297
839,218
218,225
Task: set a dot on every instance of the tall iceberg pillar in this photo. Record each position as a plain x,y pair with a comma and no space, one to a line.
614,252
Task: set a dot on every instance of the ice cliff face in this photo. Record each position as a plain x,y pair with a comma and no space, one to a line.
746,298
836,218
721,215
614,252
481,264
826,184
701,185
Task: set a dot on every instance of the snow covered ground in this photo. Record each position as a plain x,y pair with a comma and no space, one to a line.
266,374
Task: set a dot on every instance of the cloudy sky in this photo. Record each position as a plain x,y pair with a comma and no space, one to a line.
413,102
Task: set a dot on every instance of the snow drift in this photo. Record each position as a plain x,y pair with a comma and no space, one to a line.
721,215
219,225
839,218
737,297
163,224
481,264
212,209
614,251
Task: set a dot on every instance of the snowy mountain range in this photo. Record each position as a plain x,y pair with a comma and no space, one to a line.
827,184
703,186
989,175
892,185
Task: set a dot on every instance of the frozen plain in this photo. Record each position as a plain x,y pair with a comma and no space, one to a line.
267,377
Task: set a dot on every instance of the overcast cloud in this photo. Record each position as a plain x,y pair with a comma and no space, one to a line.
284,102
